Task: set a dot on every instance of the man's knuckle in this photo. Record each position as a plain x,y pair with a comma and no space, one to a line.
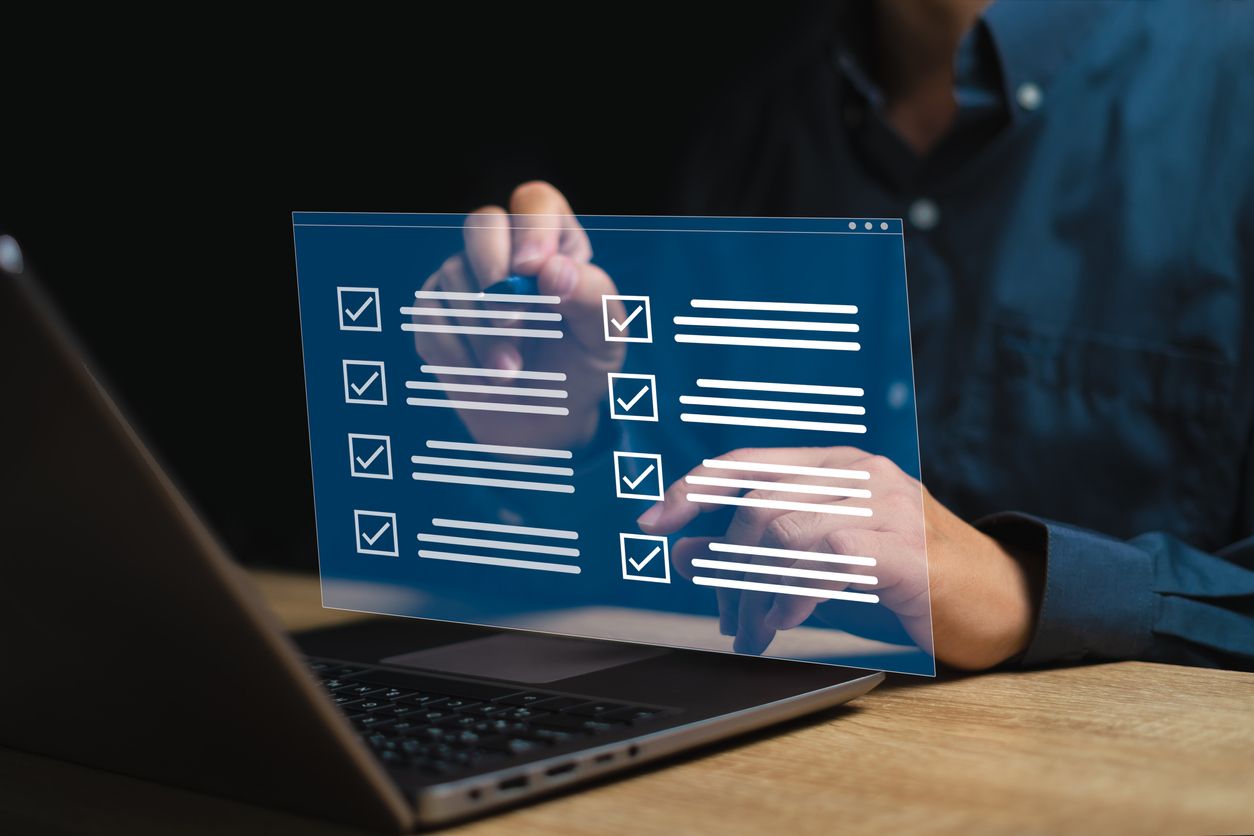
753,518
782,532
840,542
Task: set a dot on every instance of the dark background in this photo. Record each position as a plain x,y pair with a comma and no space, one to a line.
150,169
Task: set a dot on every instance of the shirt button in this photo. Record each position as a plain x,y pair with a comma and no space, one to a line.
897,395
1029,96
10,255
923,214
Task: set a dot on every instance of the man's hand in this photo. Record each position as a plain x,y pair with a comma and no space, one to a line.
539,237
982,606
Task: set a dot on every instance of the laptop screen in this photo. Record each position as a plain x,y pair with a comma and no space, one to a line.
690,432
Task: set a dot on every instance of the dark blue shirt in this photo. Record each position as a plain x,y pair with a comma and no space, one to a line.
1080,253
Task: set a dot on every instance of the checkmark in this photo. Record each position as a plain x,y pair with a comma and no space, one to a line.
643,388
622,326
353,315
636,309
379,448
370,541
359,391
659,568
643,562
627,405
383,542
363,387
631,484
365,463
647,484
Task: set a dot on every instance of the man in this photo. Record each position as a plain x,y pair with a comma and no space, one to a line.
1080,208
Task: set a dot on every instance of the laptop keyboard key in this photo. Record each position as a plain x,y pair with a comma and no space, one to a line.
349,670
559,703
566,722
594,709
459,704
526,698
361,689
489,709
422,699
401,710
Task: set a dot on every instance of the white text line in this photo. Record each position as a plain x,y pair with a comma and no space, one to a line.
525,530
786,406
792,307
754,586
783,571
508,562
781,423
474,464
763,551
502,449
449,540
799,388
493,483
467,371
781,505
782,487
489,406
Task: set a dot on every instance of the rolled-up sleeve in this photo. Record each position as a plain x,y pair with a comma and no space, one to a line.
1152,598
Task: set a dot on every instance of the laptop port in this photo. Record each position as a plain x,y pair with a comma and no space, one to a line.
515,783
560,769
606,758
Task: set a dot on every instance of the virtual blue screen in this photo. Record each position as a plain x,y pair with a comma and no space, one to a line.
747,367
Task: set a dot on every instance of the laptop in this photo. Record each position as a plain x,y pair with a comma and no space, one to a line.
135,644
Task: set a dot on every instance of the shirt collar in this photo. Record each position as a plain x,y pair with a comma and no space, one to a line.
1034,39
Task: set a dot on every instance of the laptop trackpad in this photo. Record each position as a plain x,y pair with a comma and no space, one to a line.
535,659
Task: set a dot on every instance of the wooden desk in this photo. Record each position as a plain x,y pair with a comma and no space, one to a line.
1128,747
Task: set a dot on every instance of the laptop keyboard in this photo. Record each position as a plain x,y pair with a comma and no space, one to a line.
441,726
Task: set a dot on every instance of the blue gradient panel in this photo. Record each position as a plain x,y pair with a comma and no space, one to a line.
747,367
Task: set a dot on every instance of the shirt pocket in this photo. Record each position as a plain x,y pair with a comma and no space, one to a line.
1110,434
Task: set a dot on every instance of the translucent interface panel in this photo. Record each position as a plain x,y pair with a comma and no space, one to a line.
697,432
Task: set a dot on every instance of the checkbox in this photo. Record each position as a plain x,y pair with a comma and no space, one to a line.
369,456
645,558
365,382
633,397
376,533
359,308
635,320
638,475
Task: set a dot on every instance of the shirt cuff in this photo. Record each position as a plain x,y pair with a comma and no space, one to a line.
1098,599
